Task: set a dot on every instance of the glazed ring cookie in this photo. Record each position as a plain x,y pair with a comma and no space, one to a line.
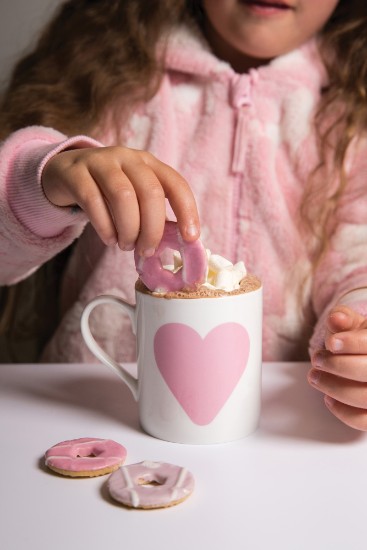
150,485
194,264
85,457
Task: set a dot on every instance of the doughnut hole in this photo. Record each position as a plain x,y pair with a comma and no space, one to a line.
149,481
170,259
91,455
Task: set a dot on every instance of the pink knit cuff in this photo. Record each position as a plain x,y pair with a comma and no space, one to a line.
26,197
357,300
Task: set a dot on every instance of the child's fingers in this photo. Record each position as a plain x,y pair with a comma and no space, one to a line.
352,367
349,392
89,197
346,331
342,318
137,202
353,342
152,182
345,396
152,206
180,196
351,416
122,203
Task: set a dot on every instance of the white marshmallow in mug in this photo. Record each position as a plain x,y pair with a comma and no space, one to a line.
223,274
229,278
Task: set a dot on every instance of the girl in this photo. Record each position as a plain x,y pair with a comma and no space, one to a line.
248,115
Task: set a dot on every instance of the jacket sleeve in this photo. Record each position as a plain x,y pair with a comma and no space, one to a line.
341,277
32,230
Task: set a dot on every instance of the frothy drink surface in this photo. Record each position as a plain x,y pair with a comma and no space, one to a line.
248,284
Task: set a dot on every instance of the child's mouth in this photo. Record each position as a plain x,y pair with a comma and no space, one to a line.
267,6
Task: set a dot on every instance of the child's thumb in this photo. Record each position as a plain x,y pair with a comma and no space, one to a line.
342,318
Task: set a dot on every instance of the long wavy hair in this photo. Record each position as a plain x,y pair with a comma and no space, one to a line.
95,54
341,116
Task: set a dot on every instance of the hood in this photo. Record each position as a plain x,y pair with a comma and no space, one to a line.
188,52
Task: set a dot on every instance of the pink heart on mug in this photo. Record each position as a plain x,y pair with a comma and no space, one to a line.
201,373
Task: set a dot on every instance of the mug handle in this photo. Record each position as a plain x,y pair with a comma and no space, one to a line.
96,349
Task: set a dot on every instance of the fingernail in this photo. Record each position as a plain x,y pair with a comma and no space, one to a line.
148,253
340,314
318,360
329,401
192,230
337,344
128,247
315,377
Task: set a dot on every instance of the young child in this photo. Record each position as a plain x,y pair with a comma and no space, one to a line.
244,119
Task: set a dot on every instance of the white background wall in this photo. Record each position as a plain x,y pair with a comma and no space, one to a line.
20,21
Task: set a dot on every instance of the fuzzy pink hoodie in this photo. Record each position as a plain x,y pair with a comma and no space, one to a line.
246,145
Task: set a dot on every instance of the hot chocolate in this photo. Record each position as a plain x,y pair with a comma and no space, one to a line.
249,283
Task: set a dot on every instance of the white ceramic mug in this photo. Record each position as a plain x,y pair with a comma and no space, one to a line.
198,364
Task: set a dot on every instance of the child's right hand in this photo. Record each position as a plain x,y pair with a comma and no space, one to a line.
123,193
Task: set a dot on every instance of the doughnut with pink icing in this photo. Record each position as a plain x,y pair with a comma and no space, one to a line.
85,457
150,485
194,263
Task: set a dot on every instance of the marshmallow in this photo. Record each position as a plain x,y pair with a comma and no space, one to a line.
240,268
216,263
221,274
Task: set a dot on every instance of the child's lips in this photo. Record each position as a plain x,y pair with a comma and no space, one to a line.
268,5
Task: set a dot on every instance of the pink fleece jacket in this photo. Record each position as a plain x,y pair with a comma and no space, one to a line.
246,145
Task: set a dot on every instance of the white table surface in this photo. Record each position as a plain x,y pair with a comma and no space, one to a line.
299,482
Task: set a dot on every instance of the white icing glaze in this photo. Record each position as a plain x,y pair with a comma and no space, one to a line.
150,484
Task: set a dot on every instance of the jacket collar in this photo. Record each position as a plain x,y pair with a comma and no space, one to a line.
188,52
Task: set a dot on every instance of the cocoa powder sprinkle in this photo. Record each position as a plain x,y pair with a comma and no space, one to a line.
248,284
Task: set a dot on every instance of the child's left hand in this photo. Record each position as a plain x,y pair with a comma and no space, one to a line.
340,371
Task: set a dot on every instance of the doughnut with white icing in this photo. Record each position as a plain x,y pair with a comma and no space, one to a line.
85,457
150,485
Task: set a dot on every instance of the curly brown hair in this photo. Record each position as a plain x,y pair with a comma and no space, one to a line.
91,54
342,113
99,53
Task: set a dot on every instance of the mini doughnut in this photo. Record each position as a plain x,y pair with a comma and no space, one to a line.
194,264
85,457
150,485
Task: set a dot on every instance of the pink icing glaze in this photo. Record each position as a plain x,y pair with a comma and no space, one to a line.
194,260
130,484
85,454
